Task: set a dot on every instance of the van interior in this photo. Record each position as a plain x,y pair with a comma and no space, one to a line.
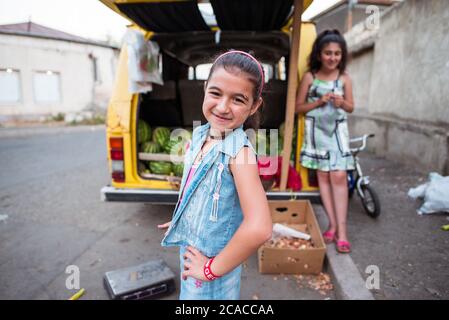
178,102
189,41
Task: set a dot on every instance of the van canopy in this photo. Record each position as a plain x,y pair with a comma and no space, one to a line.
182,32
184,15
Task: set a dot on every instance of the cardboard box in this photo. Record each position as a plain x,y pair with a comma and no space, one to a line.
297,214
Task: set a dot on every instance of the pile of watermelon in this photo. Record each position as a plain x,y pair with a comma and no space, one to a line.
158,141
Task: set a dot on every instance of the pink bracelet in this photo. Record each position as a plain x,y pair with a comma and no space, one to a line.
208,272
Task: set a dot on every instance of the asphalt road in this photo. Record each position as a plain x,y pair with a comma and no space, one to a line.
51,217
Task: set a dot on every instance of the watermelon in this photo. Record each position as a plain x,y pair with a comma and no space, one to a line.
161,135
160,167
171,145
143,131
150,147
178,169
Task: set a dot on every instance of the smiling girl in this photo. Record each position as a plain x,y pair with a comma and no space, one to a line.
325,96
222,215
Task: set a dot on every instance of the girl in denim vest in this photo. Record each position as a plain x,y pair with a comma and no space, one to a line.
222,215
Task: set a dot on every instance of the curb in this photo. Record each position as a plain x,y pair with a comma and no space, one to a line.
347,280
32,131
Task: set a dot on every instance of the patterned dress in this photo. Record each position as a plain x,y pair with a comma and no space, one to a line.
326,137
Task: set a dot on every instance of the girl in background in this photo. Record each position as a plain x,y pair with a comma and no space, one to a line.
325,96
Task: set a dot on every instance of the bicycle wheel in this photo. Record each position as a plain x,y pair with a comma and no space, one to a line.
370,201
352,181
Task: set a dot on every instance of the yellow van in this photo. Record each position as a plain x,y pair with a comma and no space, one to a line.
189,34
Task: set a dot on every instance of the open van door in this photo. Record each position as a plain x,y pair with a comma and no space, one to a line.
187,39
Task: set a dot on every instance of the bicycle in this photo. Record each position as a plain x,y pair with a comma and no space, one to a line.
361,183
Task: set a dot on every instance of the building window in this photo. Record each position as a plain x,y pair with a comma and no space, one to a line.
281,69
47,87
268,72
9,86
200,72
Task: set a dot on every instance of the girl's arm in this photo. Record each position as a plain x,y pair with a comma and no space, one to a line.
347,101
257,225
255,229
301,105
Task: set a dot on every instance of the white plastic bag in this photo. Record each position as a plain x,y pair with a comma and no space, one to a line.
143,62
284,231
435,194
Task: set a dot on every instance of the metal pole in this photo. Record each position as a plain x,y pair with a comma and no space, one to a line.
291,92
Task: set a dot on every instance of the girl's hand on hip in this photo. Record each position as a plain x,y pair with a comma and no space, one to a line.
194,262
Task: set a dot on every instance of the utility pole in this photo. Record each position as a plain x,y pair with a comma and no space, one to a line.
351,5
291,92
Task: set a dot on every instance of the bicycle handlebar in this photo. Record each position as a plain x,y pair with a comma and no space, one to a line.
363,139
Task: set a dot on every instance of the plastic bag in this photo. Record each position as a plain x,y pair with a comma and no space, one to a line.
143,62
284,231
435,194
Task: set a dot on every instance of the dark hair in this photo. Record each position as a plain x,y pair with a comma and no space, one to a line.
323,39
234,62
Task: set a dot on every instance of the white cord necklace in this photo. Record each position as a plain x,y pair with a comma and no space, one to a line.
201,156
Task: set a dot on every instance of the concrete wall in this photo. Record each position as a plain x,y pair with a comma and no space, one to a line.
337,18
71,60
401,83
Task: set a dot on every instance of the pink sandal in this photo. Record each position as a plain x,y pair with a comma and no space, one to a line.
329,237
343,246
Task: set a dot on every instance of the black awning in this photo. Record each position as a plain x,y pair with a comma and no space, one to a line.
176,16
256,15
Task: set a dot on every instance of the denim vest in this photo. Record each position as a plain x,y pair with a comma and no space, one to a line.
209,213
